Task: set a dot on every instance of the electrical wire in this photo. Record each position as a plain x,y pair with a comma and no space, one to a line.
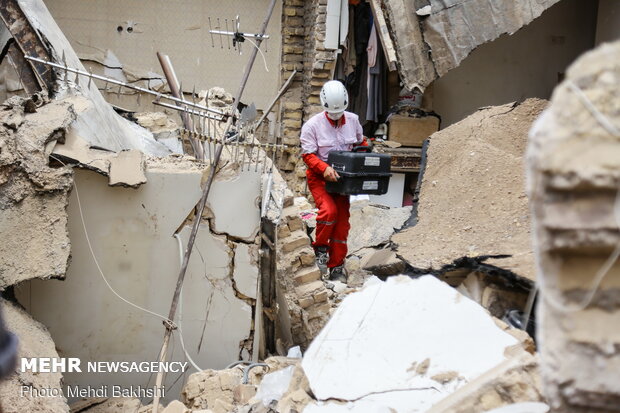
192,362
261,53
92,252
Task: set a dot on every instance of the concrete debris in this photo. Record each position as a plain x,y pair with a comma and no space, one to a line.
574,175
33,195
373,225
515,380
472,201
157,122
127,169
164,129
438,341
216,98
223,391
274,385
112,405
34,341
382,263
434,38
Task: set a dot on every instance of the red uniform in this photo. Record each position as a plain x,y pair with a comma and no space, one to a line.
319,136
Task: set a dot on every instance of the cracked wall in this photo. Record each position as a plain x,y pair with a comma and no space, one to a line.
131,235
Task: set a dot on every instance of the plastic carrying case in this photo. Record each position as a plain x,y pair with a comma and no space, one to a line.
361,172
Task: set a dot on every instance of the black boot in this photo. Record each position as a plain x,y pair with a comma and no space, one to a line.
338,274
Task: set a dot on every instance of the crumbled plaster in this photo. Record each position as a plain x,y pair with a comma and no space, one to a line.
127,169
33,195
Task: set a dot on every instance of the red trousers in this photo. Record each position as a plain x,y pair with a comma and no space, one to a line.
332,222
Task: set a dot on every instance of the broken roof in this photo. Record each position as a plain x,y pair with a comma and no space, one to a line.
433,36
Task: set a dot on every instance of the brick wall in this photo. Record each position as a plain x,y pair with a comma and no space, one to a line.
303,33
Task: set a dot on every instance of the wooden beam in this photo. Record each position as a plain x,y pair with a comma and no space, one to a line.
384,34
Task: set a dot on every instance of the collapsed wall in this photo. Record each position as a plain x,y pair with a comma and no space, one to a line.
574,176
473,209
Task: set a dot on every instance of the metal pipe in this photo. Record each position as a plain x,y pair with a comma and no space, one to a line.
173,83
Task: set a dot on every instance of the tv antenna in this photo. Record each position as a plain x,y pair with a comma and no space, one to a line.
236,35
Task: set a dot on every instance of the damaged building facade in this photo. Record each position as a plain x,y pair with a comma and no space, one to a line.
103,183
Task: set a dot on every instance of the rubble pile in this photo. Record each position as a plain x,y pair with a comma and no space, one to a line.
446,354
472,201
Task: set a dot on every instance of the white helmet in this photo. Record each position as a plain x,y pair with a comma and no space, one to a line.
334,97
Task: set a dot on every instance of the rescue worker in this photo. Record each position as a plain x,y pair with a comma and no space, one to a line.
334,129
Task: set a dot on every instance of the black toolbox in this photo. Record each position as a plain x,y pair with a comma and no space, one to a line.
361,172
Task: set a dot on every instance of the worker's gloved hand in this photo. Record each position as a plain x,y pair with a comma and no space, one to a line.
330,174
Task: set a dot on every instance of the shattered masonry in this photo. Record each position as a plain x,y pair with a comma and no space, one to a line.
574,176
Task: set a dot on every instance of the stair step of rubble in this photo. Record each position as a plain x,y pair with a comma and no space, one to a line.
296,240
307,275
308,290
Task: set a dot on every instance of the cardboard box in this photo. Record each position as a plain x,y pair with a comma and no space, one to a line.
409,131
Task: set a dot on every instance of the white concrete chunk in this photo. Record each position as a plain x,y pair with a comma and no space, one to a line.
403,344
234,200
246,270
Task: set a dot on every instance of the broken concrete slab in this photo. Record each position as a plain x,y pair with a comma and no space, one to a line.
234,200
515,380
382,263
127,169
373,225
446,32
34,341
420,321
246,269
33,195
456,27
472,201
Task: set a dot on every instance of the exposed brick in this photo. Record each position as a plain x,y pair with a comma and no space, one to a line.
321,296
307,257
314,100
292,105
306,302
295,223
283,231
294,241
292,123
306,275
310,289
290,11
293,49
292,114
319,310
290,141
